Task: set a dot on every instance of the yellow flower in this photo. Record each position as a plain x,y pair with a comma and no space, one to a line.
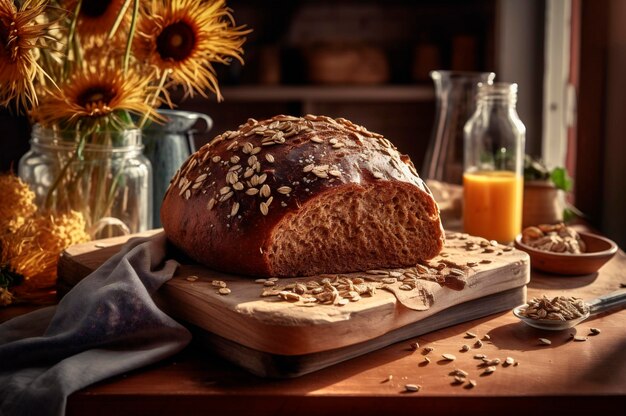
96,94
32,251
17,203
182,38
20,35
6,298
97,17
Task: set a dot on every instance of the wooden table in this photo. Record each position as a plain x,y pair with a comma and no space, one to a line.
563,378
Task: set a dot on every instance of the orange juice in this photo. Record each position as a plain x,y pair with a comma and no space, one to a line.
493,204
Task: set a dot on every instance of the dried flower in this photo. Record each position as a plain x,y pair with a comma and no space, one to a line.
17,203
182,38
32,251
6,298
96,18
96,95
20,36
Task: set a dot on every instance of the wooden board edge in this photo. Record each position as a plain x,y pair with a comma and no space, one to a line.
270,365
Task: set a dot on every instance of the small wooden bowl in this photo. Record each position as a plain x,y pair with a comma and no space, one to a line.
599,251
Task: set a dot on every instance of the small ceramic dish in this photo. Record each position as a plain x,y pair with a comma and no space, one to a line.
599,251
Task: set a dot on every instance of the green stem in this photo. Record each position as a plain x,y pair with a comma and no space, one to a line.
61,175
131,35
70,38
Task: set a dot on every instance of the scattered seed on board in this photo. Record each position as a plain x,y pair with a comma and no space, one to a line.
192,278
509,361
544,341
465,348
579,338
218,283
490,369
413,388
269,283
224,291
426,360
480,356
388,379
478,344
487,361
486,337
459,372
448,357
470,335
428,349
260,281
471,384
594,331
414,346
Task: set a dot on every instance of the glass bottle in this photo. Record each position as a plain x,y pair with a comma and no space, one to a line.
494,162
103,175
455,93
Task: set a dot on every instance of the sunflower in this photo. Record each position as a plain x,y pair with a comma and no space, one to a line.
97,94
20,35
182,38
97,17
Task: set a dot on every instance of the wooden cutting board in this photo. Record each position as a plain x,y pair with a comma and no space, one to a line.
271,336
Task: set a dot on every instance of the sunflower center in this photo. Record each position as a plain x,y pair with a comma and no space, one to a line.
176,41
95,95
94,8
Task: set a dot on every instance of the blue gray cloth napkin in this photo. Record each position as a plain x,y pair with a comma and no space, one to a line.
106,325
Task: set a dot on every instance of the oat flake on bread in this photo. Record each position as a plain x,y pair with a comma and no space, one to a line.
301,196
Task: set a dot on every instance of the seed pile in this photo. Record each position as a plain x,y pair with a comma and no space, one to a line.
343,289
555,238
559,308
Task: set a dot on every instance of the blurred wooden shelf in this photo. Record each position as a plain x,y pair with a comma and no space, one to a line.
330,93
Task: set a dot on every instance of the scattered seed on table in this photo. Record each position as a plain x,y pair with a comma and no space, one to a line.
426,360
388,379
427,350
414,346
448,357
478,344
224,291
465,348
470,335
545,341
459,380
413,388
579,338
458,372
471,384
594,331
480,356
486,337
509,361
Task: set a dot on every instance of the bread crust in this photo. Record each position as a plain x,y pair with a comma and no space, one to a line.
224,203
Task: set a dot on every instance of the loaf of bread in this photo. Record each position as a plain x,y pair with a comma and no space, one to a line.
301,196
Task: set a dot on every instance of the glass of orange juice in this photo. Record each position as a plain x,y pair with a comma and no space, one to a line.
494,154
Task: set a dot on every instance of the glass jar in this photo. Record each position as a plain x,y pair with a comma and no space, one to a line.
103,175
455,93
493,167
